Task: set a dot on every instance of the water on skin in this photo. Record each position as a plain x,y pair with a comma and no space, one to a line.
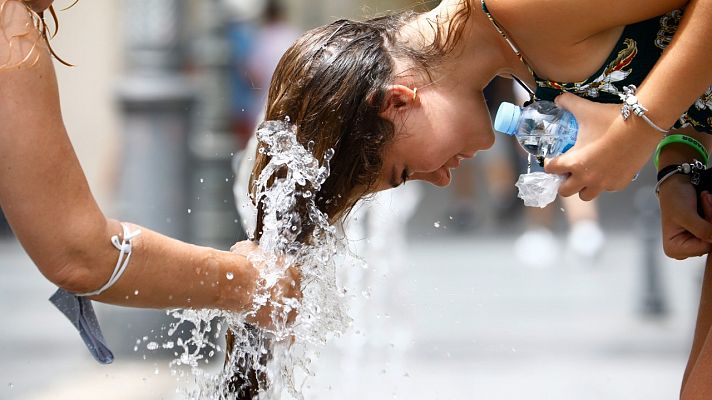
292,176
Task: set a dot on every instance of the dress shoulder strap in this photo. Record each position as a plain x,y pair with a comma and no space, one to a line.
515,49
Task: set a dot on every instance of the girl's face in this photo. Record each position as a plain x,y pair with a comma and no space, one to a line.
435,130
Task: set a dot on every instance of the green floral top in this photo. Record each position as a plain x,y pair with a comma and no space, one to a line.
635,54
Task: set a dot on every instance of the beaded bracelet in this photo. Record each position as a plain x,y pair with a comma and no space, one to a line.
692,169
683,139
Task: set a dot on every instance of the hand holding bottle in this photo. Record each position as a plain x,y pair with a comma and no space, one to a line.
608,153
544,131
541,128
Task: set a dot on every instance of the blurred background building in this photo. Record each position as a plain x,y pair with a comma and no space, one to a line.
163,96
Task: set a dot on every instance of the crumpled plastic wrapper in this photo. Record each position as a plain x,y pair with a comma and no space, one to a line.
538,189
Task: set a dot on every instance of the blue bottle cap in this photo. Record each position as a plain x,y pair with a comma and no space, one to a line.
507,117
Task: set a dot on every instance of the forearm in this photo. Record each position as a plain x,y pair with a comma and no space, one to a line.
47,201
683,73
164,272
677,153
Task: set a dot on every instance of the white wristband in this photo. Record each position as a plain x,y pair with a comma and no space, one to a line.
124,248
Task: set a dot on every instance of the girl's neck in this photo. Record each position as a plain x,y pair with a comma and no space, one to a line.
480,54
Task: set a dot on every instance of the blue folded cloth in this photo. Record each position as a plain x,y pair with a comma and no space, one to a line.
81,314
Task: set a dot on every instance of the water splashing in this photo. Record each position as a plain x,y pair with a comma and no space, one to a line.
295,233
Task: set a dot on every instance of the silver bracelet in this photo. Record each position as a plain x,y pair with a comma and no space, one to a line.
692,169
630,103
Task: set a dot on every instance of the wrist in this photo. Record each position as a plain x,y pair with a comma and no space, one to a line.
673,183
237,281
635,132
658,109
693,170
676,153
632,107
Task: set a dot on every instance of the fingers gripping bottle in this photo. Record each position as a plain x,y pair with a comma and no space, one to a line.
543,129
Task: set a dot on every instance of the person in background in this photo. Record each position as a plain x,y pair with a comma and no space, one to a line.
256,44
273,37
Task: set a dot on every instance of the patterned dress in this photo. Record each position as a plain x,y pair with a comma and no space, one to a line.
634,55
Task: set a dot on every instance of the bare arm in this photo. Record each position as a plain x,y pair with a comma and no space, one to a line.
683,72
613,150
574,21
47,201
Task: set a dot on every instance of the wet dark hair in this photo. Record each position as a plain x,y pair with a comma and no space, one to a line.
332,82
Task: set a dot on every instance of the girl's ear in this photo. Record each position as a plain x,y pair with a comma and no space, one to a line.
398,98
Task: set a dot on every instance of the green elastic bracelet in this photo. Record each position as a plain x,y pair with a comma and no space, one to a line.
684,139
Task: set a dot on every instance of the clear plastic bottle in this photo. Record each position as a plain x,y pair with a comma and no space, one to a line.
543,129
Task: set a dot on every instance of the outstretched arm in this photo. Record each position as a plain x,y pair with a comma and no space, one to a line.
47,201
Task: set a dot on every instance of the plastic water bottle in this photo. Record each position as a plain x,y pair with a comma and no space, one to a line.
543,129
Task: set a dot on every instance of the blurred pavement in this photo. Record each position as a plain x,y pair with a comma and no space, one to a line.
482,326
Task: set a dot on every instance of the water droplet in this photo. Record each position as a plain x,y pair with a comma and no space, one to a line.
152,345
328,154
136,292
190,211
156,371
10,385
202,180
229,276
436,224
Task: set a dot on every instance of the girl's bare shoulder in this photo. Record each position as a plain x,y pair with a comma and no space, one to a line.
575,20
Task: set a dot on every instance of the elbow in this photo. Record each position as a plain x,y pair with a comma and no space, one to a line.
75,271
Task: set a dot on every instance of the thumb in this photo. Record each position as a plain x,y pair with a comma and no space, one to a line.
698,226
569,102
